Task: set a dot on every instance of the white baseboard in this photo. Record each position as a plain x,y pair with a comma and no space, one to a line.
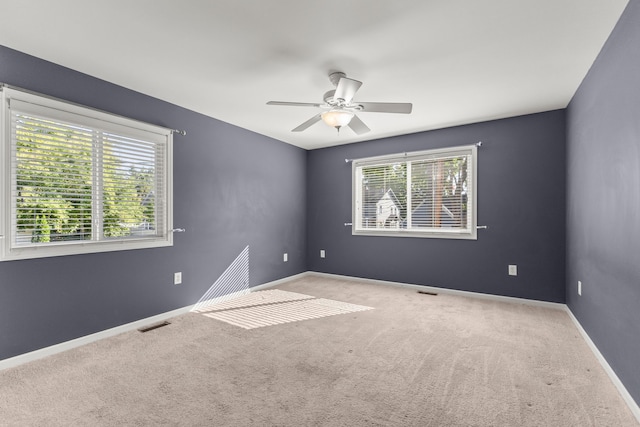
631,403
633,406
279,281
546,304
203,305
68,345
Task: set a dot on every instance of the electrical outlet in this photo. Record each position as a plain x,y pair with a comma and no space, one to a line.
579,288
322,254
177,278
513,270
285,258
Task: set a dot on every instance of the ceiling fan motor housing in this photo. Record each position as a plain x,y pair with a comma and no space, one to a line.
328,97
330,100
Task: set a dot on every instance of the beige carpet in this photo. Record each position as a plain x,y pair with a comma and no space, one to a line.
414,360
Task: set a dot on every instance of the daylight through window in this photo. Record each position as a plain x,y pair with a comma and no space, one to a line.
80,181
421,194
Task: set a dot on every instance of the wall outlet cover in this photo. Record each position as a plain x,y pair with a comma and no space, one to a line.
579,288
177,278
513,270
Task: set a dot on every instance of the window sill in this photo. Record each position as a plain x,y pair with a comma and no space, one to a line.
424,235
78,248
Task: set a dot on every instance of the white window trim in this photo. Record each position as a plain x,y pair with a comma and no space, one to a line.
441,233
100,120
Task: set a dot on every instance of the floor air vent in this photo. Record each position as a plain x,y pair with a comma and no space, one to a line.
155,326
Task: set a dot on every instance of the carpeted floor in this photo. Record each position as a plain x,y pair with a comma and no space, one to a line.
414,360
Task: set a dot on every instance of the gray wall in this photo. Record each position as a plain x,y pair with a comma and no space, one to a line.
232,188
521,198
603,213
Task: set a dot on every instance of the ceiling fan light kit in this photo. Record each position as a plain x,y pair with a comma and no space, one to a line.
342,109
337,117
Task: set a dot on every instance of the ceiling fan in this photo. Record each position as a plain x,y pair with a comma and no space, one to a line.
341,109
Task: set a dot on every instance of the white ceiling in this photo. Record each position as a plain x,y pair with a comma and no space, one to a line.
457,61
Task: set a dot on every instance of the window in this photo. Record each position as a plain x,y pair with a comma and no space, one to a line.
76,180
421,194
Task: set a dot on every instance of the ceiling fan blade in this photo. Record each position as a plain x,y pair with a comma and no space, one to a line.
295,104
358,126
386,107
308,123
346,89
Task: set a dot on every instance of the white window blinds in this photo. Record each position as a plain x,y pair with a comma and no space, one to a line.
425,194
81,180
51,194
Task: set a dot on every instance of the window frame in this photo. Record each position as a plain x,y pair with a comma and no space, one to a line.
388,159
95,119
